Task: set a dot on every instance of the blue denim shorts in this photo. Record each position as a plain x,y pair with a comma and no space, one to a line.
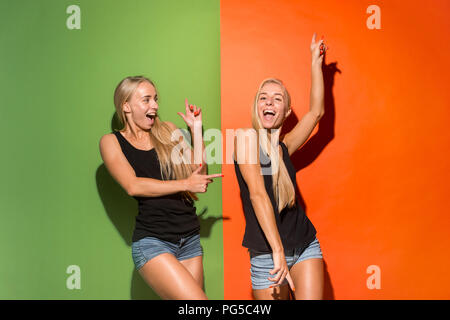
149,247
262,264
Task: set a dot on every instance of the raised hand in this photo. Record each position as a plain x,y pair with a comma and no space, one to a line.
318,49
193,114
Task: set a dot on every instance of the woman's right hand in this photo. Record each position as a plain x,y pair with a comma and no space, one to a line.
280,270
198,183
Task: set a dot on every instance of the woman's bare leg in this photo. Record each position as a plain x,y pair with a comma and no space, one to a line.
277,293
170,279
308,279
195,267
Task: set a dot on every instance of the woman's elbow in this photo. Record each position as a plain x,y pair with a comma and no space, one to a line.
321,114
132,189
317,114
258,196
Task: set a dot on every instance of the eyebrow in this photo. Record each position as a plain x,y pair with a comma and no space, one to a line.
149,96
275,93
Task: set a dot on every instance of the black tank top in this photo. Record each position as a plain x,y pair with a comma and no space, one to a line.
168,217
294,227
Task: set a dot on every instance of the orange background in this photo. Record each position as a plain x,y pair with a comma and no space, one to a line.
373,177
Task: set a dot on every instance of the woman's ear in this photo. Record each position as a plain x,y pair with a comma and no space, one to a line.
126,107
288,112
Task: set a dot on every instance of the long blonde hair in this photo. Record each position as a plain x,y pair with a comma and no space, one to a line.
283,188
160,133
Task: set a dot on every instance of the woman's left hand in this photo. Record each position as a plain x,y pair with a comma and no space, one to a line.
318,50
193,114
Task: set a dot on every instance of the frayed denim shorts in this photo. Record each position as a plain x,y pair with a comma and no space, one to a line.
262,264
147,248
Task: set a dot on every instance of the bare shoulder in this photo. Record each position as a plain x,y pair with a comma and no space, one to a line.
243,133
107,138
243,136
245,146
108,142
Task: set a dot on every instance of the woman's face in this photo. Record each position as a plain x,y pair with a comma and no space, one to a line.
271,106
143,105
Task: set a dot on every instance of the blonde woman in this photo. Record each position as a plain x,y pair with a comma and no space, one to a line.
142,159
282,243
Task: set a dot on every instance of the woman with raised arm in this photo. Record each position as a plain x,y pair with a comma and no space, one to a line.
284,251
147,163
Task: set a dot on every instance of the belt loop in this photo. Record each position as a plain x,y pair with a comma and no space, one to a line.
182,241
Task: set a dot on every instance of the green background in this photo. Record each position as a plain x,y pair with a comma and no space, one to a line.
59,206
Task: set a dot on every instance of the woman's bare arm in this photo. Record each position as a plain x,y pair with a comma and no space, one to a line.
261,204
193,119
121,170
301,132
263,208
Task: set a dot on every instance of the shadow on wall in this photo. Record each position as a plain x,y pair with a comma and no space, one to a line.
315,145
122,210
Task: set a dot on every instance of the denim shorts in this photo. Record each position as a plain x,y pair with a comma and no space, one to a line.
149,247
262,264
